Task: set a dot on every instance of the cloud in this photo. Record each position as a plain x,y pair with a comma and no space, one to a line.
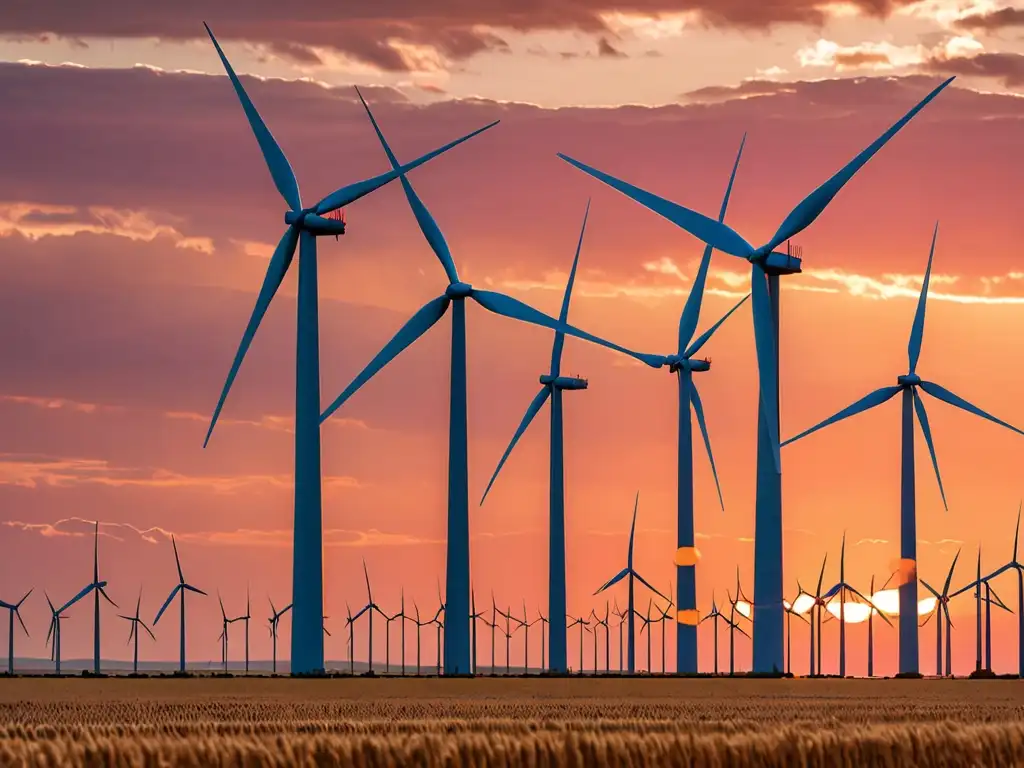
1007,68
990,21
57,403
871,541
37,220
383,33
274,423
28,471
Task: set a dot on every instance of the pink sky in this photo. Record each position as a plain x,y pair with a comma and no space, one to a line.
136,218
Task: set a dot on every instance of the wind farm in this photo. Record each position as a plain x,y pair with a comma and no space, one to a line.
336,435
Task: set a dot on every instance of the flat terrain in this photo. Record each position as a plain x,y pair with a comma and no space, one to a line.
495,721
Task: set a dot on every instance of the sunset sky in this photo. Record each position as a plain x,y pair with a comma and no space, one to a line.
137,217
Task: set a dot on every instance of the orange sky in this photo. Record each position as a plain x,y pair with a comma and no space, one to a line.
136,219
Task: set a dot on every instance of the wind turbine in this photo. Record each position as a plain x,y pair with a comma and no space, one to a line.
419,626
908,384
622,620
134,633
457,641
767,265
305,224
404,619
815,610
583,624
97,588
683,364
474,617
599,622
790,613
352,641
368,609
245,618
181,588
553,384
632,574
543,620
14,609
275,617
645,623
56,616
716,615
987,597
942,609
842,590
1016,565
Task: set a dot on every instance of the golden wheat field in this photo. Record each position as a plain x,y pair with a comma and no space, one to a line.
520,722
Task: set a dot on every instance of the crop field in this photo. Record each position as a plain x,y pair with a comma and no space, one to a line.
520,722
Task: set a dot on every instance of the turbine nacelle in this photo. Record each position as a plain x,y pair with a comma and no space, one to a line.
459,290
908,380
776,262
678,363
563,382
308,220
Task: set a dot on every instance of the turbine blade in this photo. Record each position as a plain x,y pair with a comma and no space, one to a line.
952,567
698,409
22,622
423,217
946,396
931,589
691,310
613,581
764,338
702,340
531,411
177,561
922,416
190,588
647,584
867,402
714,233
277,163
19,603
104,593
85,591
811,206
632,532
417,325
832,592
147,630
276,271
563,315
352,192
500,304
917,330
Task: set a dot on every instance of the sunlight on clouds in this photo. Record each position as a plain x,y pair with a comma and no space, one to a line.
946,12
855,613
38,220
803,604
419,58
877,56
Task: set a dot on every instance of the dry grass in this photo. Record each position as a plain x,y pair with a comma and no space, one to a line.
589,722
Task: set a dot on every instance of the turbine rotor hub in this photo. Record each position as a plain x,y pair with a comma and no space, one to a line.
459,290
678,363
563,382
908,380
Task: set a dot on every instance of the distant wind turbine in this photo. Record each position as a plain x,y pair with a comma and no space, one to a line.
815,615
767,265
97,588
56,616
1016,565
942,615
457,635
599,622
842,590
716,616
909,384
368,609
582,623
629,572
181,588
983,593
305,224
134,633
790,613
14,609
275,618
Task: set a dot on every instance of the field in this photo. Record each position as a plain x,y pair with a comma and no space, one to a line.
520,722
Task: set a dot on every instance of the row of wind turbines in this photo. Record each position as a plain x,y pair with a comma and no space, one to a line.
768,265
842,602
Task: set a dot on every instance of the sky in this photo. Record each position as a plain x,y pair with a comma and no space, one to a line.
137,219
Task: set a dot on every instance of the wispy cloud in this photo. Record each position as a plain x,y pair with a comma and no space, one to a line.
30,471
871,541
38,220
